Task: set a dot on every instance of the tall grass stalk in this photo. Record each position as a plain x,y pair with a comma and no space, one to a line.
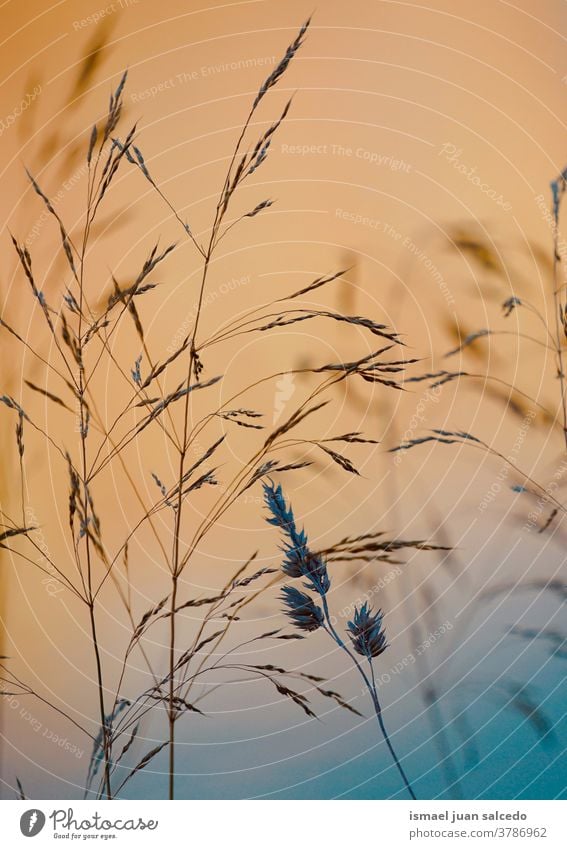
365,630
83,328
547,424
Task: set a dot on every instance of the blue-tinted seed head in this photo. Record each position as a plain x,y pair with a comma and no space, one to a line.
299,561
301,609
366,632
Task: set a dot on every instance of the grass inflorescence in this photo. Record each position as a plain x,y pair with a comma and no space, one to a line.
367,637
159,395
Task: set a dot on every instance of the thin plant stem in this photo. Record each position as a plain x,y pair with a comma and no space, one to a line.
558,328
105,736
178,566
434,713
83,436
176,569
370,684
378,711
171,717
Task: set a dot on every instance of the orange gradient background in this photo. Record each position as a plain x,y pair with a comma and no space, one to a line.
362,179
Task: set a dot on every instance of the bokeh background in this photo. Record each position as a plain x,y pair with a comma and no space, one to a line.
397,107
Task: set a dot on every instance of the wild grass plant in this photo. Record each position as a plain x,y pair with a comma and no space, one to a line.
174,394
365,631
498,361
528,495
